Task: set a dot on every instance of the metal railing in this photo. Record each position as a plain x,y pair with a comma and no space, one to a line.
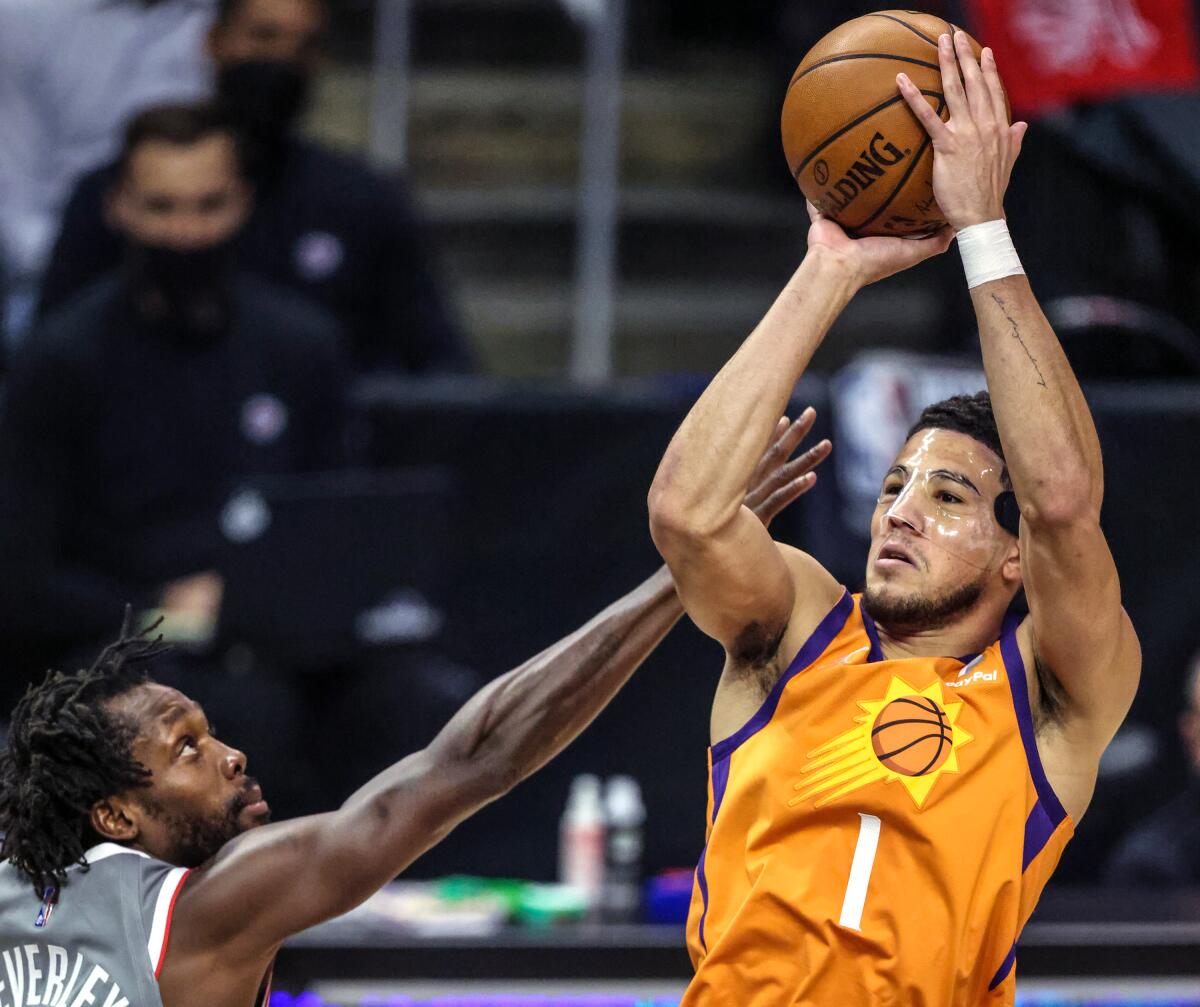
603,24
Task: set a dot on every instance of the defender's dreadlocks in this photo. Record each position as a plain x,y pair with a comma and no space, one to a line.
65,753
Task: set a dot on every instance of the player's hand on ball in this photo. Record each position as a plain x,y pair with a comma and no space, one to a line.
871,259
778,482
974,152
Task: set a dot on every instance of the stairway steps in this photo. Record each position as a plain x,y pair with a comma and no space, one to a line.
522,329
512,129
705,243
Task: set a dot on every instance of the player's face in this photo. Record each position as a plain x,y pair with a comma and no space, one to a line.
185,197
199,796
291,31
935,543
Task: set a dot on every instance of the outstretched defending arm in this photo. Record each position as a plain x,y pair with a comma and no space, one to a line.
1079,632
279,879
274,881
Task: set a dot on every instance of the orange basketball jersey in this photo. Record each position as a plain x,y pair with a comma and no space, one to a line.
879,832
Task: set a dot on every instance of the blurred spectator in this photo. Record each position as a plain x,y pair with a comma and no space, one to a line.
72,72
133,412
325,225
1165,851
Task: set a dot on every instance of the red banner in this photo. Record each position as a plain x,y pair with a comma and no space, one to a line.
1053,52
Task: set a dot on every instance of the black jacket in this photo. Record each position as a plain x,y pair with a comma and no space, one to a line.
328,229
119,448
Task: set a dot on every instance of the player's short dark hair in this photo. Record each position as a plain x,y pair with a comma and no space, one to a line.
965,414
65,752
179,124
227,10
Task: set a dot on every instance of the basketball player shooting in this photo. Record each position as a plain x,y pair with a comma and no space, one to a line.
894,775
139,865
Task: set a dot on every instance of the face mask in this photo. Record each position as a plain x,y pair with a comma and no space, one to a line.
928,503
265,95
182,294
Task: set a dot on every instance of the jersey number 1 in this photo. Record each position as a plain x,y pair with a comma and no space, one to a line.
860,872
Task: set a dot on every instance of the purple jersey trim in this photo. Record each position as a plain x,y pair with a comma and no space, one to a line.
813,648
876,653
720,780
1038,830
1005,968
1014,667
703,884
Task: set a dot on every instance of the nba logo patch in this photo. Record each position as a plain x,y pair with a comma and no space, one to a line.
264,419
319,255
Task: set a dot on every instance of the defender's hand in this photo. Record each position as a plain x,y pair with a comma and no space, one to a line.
778,483
871,259
973,153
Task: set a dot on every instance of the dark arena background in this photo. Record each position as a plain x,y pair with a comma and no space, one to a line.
498,249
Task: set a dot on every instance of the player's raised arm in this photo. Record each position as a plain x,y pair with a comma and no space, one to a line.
1080,634
733,580
279,879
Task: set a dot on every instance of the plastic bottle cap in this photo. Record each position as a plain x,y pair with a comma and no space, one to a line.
584,786
584,805
623,802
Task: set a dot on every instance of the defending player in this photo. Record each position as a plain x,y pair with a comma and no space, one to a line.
894,776
108,768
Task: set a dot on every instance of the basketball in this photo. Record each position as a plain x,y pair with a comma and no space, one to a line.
852,143
912,736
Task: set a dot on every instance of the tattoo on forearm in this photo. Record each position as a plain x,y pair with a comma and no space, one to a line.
1016,333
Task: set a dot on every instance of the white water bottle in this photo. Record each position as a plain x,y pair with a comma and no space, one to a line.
625,819
581,839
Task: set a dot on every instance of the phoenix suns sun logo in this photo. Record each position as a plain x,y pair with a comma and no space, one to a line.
910,736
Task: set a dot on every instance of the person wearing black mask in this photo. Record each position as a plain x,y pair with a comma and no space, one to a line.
265,97
135,412
267,54
179,201
324,224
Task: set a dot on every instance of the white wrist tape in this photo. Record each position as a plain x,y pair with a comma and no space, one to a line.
988,253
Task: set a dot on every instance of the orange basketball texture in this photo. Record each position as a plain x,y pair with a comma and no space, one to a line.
912,736
853,145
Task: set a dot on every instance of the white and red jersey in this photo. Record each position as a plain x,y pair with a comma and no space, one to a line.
102,943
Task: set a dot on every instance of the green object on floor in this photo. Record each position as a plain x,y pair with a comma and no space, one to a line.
545,905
